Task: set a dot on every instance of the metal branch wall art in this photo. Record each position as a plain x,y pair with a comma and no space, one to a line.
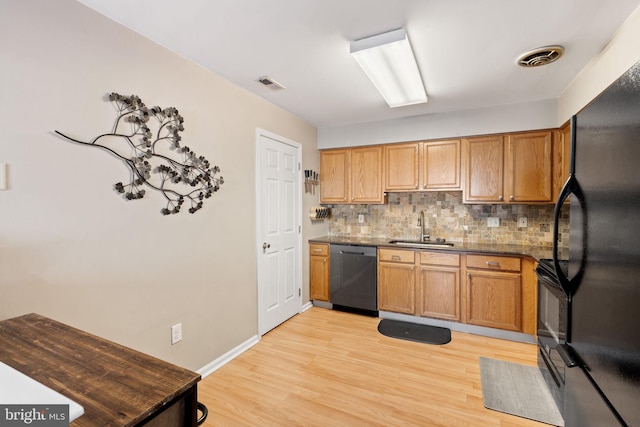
153,153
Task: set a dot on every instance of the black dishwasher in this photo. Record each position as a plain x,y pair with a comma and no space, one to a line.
354,278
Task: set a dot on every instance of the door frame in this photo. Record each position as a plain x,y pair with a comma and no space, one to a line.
258,240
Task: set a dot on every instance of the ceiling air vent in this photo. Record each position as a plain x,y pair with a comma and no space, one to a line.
540,56
270,83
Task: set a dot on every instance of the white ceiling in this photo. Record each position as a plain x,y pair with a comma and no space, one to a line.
466,49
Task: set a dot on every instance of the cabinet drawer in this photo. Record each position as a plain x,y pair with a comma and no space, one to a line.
396,255
493,262
318,249
440,258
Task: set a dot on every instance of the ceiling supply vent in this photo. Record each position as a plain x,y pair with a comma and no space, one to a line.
270,83
540,56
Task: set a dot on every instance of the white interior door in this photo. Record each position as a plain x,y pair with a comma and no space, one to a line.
278,230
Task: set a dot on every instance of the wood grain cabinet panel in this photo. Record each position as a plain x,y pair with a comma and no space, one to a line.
319,272
396,281
438,293
334,176
423,166
561,158
528,165
352,175
484,169
441,165
512,168
366,173
401,171
494,291
494,300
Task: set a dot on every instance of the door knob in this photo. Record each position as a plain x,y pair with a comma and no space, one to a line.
265,246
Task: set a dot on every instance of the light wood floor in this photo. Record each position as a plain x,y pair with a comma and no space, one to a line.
329,368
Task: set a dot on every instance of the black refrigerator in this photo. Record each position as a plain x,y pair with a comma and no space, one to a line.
603,348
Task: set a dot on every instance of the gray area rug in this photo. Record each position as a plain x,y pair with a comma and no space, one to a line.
517,390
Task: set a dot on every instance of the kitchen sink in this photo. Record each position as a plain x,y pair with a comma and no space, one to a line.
441,244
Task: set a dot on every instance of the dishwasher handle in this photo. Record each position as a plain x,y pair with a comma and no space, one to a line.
352,253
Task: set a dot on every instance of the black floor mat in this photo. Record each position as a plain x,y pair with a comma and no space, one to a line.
414,332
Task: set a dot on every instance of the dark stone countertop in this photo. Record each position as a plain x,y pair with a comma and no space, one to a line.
536,252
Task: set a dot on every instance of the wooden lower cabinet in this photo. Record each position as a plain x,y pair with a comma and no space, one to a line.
396,280
438,293
319,271
499,292
494,292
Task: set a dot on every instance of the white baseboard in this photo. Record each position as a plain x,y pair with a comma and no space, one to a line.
213,366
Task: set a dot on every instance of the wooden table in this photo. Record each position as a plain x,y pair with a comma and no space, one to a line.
117,386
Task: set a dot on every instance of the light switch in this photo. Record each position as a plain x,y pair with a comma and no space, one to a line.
3,176
493,221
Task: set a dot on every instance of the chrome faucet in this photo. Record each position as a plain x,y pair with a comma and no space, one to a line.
424,235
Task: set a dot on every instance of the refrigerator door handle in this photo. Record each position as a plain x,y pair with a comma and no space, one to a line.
570,187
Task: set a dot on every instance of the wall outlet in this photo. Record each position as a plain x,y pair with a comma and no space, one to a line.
522,221
493,221
176,333
360,218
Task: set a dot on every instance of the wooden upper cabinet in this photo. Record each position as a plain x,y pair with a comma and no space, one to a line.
561,158
352,175
334,176
528,165
515,168
441,165
417,166
484,169
402,167
366,175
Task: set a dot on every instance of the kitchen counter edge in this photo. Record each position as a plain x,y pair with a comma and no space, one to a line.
535,252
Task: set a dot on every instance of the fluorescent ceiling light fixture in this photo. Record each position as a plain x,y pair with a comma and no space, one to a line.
388,61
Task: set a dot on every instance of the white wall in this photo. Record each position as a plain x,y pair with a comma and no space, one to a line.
74,250
622,52
510,118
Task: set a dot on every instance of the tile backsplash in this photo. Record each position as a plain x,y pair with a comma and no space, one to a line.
447,217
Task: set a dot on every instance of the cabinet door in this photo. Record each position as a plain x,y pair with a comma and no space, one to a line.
319,272
441,165
439,293
561,158
334,176
401,167
494,300
484,169
528,164
396,287
366,175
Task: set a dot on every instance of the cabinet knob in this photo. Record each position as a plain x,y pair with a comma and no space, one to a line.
395,257
493,264
500,198
511,198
